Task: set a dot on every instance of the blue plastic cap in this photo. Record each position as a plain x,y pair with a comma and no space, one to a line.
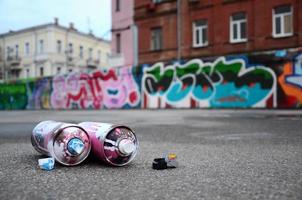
75,146
46,163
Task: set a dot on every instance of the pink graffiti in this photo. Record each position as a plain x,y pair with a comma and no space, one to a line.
96,90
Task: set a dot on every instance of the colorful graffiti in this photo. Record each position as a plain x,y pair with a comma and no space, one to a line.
265,80
222,83
38,93
291,82
95,91
13,96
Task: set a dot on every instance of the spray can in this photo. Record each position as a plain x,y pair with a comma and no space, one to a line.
113,144
69,144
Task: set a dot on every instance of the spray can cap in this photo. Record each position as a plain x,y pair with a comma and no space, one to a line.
126,146
75,146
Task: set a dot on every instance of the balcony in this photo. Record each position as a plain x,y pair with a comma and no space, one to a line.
92,63
13,60
115,60
41,57
81,62
70,61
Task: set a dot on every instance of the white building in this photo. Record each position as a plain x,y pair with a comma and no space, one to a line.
50,49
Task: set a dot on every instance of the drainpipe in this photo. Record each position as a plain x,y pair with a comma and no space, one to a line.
135,45
36,54
178,30
5,74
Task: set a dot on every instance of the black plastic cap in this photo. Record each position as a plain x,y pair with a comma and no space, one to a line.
159,163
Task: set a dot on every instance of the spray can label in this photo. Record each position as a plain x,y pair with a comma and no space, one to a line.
69,144
114,144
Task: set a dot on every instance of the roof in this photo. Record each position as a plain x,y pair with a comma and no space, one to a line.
43,26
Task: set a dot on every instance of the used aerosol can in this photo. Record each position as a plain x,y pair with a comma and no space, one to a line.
114,144
69,144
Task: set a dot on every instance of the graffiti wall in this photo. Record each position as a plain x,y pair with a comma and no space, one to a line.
263,80
112,89
222,83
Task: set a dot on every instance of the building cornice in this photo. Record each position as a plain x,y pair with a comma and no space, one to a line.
52,25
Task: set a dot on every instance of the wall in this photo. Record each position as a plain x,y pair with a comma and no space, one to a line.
259,28
122,22
259,80
29,65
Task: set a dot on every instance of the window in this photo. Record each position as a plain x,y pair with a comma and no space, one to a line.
200,33
157,1
41,46
81,52
107,57
41,71
90,53
27,73
238,24
59,46
70,48
99,55
8,53
118,4
118,42
156,39
17,51
283,21
27,49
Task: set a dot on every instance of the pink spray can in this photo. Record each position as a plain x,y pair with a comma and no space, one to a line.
113,144
69,144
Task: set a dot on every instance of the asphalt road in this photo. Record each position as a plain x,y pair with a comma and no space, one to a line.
223,154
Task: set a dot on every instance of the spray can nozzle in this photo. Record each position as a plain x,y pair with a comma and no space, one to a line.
75,146
126,146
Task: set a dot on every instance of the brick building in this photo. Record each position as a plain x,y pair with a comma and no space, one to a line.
207,28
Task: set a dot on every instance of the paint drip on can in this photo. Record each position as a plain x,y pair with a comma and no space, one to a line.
113,144
68,144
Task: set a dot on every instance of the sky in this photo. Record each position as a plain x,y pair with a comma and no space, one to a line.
85,14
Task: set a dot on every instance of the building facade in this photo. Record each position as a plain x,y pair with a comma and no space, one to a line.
48,50
124,34
179,29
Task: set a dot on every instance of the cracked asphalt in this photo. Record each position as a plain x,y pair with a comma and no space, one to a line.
222,154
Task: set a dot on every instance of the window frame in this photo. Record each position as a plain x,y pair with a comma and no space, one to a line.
41,46
59,46
41,71
157,1
81,52
17,51
155,39
118,45
239,30
70,48
99,55
8,52
27,73
117,5
200,30
90,53
282,25
27,49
